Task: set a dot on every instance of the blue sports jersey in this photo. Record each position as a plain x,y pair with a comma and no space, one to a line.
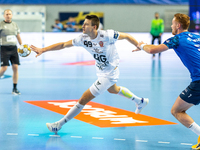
187,47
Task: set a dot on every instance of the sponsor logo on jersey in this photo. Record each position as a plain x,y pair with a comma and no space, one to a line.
101,115
95,44
96,50
101,43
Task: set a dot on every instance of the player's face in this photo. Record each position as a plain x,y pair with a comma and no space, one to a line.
174,26
8,16
87,27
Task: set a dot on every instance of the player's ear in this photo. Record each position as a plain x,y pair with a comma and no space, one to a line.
95,26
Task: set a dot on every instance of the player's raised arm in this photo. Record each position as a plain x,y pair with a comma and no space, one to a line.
128,37
151,49
56,46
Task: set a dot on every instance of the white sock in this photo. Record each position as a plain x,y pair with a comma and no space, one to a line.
128,94
75,110
195,128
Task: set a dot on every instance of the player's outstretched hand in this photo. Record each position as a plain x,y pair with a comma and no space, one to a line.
138,46
37,50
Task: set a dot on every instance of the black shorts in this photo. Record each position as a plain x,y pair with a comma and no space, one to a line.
9,53
192,93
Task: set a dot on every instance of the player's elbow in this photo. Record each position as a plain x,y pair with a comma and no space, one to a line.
150,50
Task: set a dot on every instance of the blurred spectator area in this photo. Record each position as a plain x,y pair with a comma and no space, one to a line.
76,19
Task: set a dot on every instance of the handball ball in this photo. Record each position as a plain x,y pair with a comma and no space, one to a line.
24,50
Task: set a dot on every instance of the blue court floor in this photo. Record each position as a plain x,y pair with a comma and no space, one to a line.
22,125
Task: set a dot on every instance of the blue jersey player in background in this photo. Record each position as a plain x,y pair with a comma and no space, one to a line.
187,47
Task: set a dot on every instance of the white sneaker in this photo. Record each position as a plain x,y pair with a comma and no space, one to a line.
53,127
139,107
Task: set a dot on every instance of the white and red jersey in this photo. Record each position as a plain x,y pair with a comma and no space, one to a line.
103,49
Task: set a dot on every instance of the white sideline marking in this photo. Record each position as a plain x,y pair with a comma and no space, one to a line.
12,133
141,141
33,134
186,144
98,138
163,142
76,136
119,139
54,135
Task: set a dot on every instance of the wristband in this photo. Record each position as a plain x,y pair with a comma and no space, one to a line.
141,46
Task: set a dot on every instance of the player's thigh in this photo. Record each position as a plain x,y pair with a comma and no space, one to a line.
180,105
5,59
86,97
101,85
14,58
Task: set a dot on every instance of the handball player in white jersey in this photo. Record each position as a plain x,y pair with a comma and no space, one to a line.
101,45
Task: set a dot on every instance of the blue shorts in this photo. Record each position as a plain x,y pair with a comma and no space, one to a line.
192,93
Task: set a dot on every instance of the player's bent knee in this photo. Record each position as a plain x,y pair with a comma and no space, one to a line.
112,92
4,68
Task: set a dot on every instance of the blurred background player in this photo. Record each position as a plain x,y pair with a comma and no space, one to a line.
157,29
57,27
101,45
71,26
9,31
186,46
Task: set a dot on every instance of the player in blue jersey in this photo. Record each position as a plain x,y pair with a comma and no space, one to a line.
186,45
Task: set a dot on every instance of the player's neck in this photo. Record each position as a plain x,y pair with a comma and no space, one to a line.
93,35
180,31
7,21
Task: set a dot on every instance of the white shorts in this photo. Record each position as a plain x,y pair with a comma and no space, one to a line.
104,83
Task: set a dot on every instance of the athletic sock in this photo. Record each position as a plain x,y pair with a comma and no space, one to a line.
128,94
14,85
195,128
75,110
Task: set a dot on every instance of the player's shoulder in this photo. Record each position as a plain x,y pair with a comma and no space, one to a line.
109,32
14,23
104,33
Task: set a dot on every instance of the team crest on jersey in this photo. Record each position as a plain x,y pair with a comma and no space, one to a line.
101,43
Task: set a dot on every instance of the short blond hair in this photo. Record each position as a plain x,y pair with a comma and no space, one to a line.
183,19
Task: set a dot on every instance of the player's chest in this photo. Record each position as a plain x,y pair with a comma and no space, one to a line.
100,46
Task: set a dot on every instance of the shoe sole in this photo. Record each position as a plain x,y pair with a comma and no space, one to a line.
47,124
15,93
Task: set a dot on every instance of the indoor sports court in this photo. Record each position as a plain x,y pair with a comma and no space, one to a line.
53,82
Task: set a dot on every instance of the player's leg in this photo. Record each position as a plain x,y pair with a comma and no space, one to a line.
3,70
152,42
4,61
98,87
179,112
189,97
122,91
15,63
159,42
74,111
